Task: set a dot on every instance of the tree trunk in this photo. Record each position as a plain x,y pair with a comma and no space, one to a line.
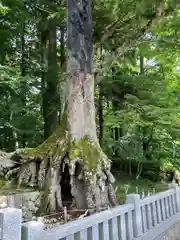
101,117
94,186
141,59
23,82
71,161
49,80
62,50
62,64
100,105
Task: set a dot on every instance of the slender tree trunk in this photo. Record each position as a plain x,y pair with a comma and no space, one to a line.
23,74
141,58
101,118
146,131
14,133
62,64
62,47
100,104
118,131
50,81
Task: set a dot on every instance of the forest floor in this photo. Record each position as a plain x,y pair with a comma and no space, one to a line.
7,188
126,185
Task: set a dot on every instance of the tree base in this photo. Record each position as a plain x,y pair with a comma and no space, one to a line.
66,170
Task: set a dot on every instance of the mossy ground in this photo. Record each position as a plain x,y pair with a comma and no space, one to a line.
7,188
123,183
129,185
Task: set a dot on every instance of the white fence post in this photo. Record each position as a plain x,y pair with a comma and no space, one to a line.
10,223
32,230
177,195
137,219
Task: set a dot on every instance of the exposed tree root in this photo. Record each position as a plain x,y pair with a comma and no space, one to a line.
49,165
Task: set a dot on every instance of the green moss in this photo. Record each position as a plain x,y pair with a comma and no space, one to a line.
88,151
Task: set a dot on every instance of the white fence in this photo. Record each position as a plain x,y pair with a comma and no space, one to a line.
138,219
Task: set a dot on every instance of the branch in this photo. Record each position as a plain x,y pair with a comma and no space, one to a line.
43,10
131,43
110,29
115,27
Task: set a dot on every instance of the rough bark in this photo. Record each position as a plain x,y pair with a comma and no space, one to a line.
94,178
89,167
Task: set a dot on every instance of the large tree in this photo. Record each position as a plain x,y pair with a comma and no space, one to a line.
93,176
71,161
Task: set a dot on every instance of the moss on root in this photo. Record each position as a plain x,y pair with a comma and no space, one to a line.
89,152
59,143
50,159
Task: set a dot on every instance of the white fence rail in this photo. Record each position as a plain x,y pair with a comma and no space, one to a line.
138,219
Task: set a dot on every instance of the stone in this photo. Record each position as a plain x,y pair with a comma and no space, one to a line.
10,223
31,206
29,202
137,220
32,231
